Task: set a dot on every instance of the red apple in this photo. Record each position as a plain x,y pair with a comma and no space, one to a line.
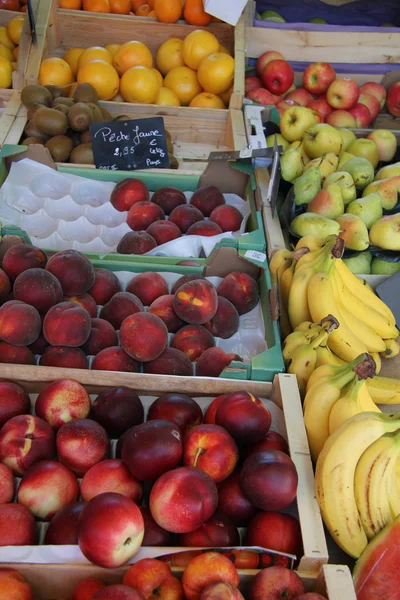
244,417
275,531
233,502
272,441
251,83
393,99
62,528
285,104
6,484
127,192
361,114
276,583
320,105
154,535
218,531
318,77
212,449
341,118
265,58
375,89
301,96
181,410
343,93
17,526
153,579
110,476
278,76
261,96
371,103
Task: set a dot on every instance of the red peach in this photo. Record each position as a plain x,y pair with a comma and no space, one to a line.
181,410
221,591
185,279
274,582
17,526
14,401
114,359
20,323
227,217
147,287
170,362
240,289
127,193
117,410
272,440
62,528
62,401
154,535
66,324
136,242
22,257
244,416
164,231
153,579
102,335
218,531
206,199
39,288
185,216
196,302
193,340
117,592
39,345
81,444
205,228
210,567
86,301
225,322
16,355
110,530
47,487
143,336
106,284
121,306
110,476
142,214
233,502
163,307
5,286
74,271
86,588
275,531
25,440
213,361
67,358
209,417
211,449
6,484
13,586
168,198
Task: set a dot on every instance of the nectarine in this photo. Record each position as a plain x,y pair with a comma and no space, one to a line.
74,271
211,449
143,336
6,484
106,284
218,531
127,192
62,401
117,410
81,444
206,199
13,586
193,340
244,416
39,288
147,287
196,302
17,526
110,476
233,502
22,257
119,307
153,579
62,528
180,409
154,535
208,568
14,401
240,289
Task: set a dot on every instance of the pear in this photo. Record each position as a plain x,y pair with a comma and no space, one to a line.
385,233
327,164
380,266
353,232
307,186
368,208
361,171
389,171
328,202
348,137
280,140
321,139
360,264
388,190
315,225
366,149
344,157
306,159
345,180
292,165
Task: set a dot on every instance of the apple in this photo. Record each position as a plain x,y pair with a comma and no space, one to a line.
277,76
341,118
62,528
153,579
320,105
301,96
318,77
393,99
348,138
321,139
365,148
361,114
295,121
343,93
205,569
275,531
318,117
371,103
251,83
212,449
274,583
261,96
217,532
386,143
265,58
283,105
291,89
375,89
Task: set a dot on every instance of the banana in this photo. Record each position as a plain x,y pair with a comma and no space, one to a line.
335,474
384,390
351,403
310,242
306,326
303,360
394,490
324,373
281,258
326,357
392,349
378,362
295,340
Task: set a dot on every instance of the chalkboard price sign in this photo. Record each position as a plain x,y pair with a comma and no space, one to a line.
130,145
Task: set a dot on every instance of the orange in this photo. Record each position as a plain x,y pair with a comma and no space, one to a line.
132,54
5,73
151,3
120,7
183,81
7,53
102,6
167,97
55,71
112,48
72,58
102,76
226,96
225,50
143,11
71,4
152,14
169,55
195,14
159,76
5,40
95,53
207,100
15,53
140,84
216,72
136,4
14,28
198,45
168,11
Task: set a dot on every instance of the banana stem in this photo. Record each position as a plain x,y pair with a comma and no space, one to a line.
320,339
366,368
334,323
297,254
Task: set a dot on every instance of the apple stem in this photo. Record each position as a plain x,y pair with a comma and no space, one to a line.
200,451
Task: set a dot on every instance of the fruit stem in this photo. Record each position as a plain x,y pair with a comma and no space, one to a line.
320,339
334,323
366,368
199,452
297,254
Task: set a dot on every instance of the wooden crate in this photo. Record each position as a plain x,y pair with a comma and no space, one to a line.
283,392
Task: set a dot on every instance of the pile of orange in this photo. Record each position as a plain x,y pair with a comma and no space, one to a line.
9,45
196,71
15,5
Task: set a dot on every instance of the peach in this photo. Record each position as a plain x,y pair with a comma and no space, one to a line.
275,531
275,582
6,484
143,214
153,579
164,231
86,301
206,199
181,410
20,323
233,502
147,287
185,279
15,355
136,242
211,449
206,228
17,526
143,336
47,487
110,476
218,531
240,289
117,592
67,358
168,198
121,306
154,535
25,440
13,586
170,362
152,448
106,284
81,444
62,401
74,271
5,286
244,416
213,361
196,302
210,567
22,257
62,528
183,499
221,591
209,417
110,530
163,307
66,324
39,288
14,401
114,359
225,322
272,440
185,216
102,335
127,193
117,410
227,217
39,345
193,340
86,588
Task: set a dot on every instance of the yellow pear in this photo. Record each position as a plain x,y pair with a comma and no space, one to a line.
327,164
385,233
388,171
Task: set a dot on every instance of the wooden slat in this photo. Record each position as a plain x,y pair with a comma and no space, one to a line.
336,582
272,226
9,114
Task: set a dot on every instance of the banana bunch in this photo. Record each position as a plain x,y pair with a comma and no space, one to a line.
357,479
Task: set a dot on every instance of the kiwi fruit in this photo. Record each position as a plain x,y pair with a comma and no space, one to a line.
60,147
80,116
173,162
32,111
170,146
168,135
51,121
32,140
75,137
82,154
32,95
96,112
107,116
56,91
67,101
122,118
62,108
85,137
85,93
32,130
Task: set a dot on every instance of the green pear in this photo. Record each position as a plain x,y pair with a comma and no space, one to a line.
361,171
307,186
280,140
327,164
388,190
344,157
306,159
353,232
292,165
389,171
328,202
368,208
366,149
321,139
315,225
379,266
385,233
360,264
345,180
348,138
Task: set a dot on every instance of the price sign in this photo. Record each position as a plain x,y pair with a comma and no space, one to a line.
130,145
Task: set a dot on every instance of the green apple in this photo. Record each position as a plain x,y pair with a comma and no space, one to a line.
322,138
272,15
348,138
295,121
